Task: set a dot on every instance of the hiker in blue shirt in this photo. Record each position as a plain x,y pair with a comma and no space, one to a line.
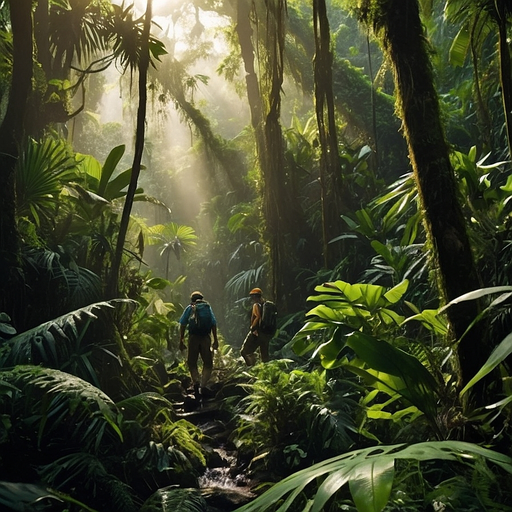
198,317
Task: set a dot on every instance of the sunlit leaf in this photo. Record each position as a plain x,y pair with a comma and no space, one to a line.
350,465
397,292
370,485
459,47
498,355
477,294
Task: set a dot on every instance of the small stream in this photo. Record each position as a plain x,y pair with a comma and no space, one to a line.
222,484
223,477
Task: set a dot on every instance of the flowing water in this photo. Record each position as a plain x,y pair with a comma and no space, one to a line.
223,486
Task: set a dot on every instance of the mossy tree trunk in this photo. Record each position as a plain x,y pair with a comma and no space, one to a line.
398,22
502,14
334,199
264,79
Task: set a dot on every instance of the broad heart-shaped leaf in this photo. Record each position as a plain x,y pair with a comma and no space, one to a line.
92,168
353,465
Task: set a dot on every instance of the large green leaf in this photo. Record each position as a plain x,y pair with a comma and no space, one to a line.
109,167
371,470
58,342
498,355
41,171
116,187
51,401
397,292
419,385
375,480
23,497
459,48
431,319
477,294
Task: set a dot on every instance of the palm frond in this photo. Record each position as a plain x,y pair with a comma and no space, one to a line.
242,282
171,498
87,473
165,233
85,34
41,170
56,404
56,342
144,406
83,285
20,497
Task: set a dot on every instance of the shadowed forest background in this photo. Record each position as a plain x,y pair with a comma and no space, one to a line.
352,158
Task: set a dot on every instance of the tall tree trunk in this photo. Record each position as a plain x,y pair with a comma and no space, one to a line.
281,211
482,109
11,135
418,105
113,285
505,68
331,185
275,206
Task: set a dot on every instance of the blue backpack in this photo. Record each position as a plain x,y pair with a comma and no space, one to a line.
200,320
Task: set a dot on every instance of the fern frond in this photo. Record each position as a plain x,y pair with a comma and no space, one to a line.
170,498
85,472
144,406
54,404
54,343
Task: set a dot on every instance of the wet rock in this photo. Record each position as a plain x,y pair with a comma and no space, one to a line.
215,459
224,500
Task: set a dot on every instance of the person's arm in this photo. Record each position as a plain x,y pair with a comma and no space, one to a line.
215,345
255,318
183,325
182,337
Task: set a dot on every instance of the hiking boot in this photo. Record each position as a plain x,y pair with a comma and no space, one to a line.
250,359
197,391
